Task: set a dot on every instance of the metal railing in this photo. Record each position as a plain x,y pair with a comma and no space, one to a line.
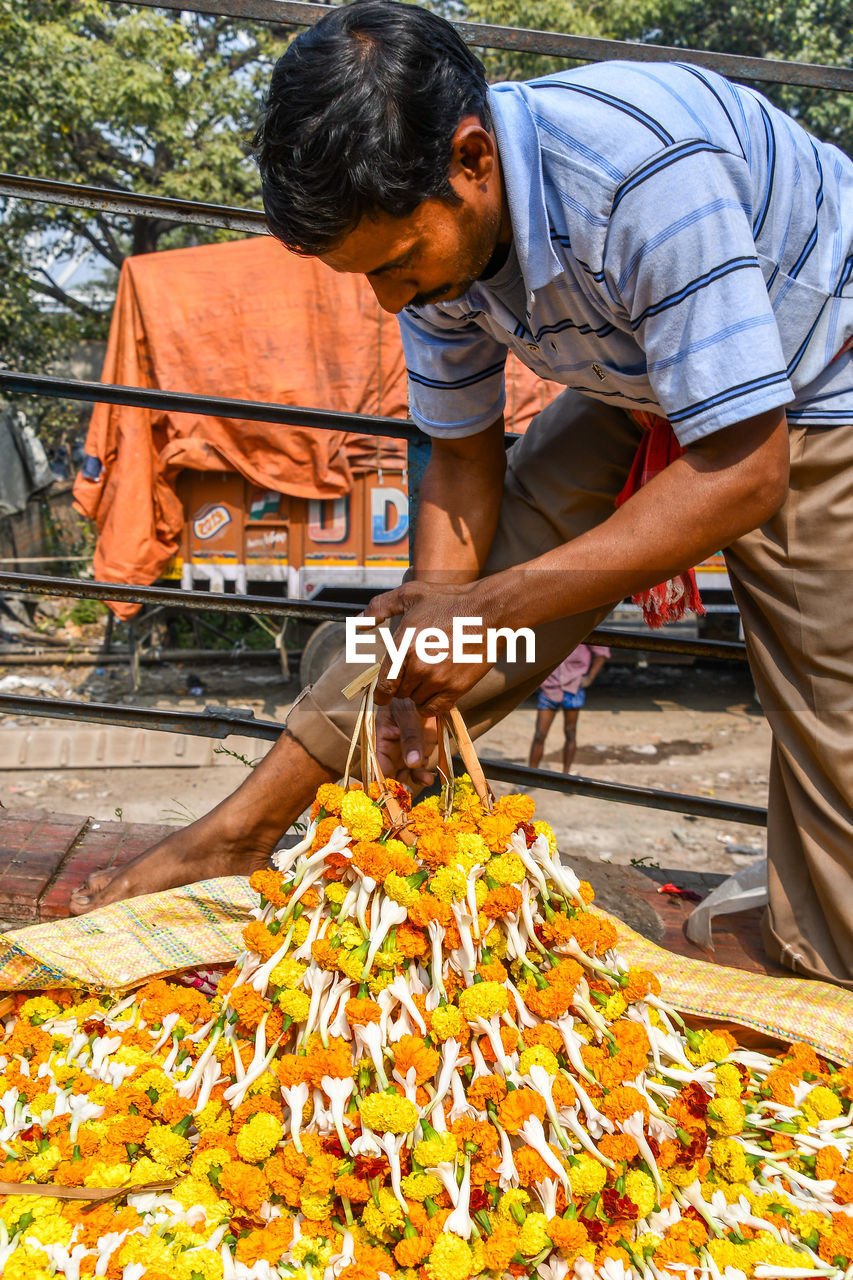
219,722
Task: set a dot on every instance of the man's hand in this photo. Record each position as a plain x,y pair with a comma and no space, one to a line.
404,743
423,606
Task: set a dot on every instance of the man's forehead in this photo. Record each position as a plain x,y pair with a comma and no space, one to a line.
373,246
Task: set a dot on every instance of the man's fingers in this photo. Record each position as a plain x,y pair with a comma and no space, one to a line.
411,728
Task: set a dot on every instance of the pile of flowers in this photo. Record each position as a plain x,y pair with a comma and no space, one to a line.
430,1064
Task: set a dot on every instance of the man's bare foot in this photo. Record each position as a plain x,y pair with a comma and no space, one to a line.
180,859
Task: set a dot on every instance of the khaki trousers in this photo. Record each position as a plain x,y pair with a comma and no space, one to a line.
795,594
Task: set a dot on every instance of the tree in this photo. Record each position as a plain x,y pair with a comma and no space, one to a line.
143,100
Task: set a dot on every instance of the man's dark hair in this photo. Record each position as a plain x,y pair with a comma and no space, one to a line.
360,119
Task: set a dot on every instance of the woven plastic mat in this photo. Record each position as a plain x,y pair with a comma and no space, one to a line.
201,925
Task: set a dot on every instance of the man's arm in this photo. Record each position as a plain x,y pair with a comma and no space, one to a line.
459,504
598,661
722,487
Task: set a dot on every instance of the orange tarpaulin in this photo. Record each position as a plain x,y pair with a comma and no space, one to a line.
251,321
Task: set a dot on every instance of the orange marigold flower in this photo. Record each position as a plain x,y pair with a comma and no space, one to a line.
411,1252
501,1246
494,971
349,1187
411,1052
249,1005
485,1089
518,808
563,1092
531,1167
548,1036
267,1244
436,848
622,1102
244,1185
586,891
325,954
325,830
779,1083
371,858
428,908
268,884
359,1012
411,942
594,933
496,829
618,1147
518,1106
503,901
568,1235
258,938
640,983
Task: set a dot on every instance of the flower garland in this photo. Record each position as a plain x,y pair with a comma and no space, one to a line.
430,1064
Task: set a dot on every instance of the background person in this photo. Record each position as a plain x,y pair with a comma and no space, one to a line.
566,688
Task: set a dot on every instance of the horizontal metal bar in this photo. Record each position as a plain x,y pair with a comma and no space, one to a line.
213,406
219,723
647,797
146,657
314,611
219,602
551,43
201,724
108,200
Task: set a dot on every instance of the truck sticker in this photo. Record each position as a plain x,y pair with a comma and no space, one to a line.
210,520
264,503
328,519
389,511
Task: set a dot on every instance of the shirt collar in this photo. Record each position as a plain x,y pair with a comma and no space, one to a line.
520,154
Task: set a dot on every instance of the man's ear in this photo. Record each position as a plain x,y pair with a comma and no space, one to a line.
473,155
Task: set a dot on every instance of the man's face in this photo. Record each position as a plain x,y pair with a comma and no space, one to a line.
438,251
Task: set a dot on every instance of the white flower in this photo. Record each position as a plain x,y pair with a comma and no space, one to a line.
459,1222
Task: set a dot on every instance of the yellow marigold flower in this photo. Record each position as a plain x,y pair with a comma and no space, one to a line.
212,1158
316,1208
300,931
42,1103
437,1150
39,1009
481,892
166,1146
450,1259
288,973
386,1216
496,941
614,1007
399,890
44,1162
506,868
712,1048
726,1116
197,1190
483,1000
538,1056
51,1229
640,1188
151,1251
449,884
351,965
821,1104
330,797
258,1139
533,1237
471,849
447,1022
511,1202
728,1254
295,1004
420,1186
729,1159
379,981
203,1262
335,892
392,959
361,816
350,935
108,1175
543,829
27,1263
729,1083
388,1113
586,1176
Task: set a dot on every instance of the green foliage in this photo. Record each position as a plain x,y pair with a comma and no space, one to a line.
155,102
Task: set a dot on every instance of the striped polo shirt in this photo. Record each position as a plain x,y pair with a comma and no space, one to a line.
679,246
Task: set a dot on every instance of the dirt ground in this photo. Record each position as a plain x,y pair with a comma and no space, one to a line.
677,728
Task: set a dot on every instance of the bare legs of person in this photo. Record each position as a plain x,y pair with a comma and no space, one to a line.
544,720
235,838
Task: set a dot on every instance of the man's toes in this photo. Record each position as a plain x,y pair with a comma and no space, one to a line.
80,903
97,881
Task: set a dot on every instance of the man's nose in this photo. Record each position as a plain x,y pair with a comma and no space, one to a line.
392,295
